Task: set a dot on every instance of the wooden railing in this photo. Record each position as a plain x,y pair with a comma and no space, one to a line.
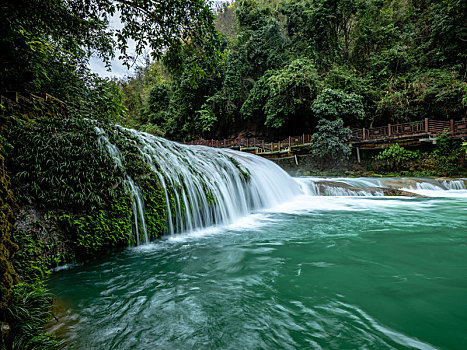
257,144
32,101
422,128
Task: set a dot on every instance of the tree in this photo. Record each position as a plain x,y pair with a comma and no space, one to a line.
36,33
284,96
336,104
328,143
321,28
288,63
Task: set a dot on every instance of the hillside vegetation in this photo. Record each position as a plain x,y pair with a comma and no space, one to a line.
287,64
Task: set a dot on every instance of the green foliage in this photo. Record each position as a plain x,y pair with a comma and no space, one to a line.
44,37
35,258
158,101
152,129
64,169
405,59
444,23
41,36
396,154
320,29
8,210
206,119
446,159
328,143
370,62
186,101
100,99
447,154
284,95
437,93
137,87
27,314
58,163
252,14
336,104
108,227
155,206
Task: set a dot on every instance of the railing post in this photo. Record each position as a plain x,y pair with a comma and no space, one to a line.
289,142
389,131
452,127
303,139
426,126
263,145
364,134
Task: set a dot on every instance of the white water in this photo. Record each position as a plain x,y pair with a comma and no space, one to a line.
203,187
431,187
134,191
207,188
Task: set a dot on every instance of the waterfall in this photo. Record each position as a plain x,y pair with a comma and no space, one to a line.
137,201
202,186
314,186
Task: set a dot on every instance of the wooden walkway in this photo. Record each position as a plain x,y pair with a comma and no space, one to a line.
420,131
26,101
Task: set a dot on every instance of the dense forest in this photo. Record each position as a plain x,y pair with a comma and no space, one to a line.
267,68
285,65
253,68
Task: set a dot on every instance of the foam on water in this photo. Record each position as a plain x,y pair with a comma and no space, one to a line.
203,187
440,193
207,189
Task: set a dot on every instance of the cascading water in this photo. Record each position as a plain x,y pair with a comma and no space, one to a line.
202,186
315,186
305,266
137,201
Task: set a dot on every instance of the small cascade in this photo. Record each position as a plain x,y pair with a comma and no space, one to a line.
197,186
378,186
313,187
428,186
201,186
210,186
137,202
455,184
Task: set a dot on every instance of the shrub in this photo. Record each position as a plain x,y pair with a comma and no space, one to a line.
447,154
328,144
396,155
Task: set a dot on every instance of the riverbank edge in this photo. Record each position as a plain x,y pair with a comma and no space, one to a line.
307,165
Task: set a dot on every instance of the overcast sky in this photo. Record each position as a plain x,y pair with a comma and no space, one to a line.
118,70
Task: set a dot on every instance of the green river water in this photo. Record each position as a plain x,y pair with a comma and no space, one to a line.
313,273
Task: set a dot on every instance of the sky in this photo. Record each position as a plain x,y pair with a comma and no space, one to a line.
118,70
